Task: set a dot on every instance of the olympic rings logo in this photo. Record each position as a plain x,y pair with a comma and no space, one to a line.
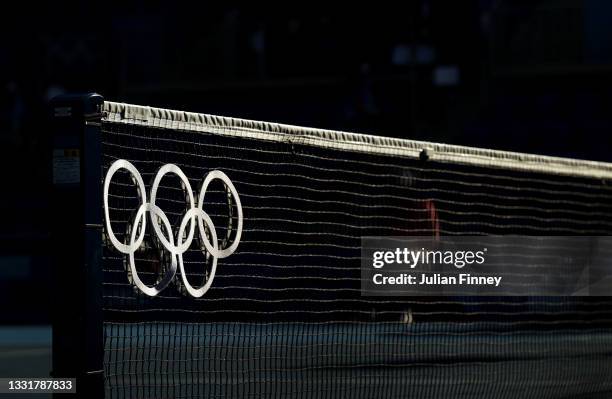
194,214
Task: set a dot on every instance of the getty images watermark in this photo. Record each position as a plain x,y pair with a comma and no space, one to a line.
486,265
411,258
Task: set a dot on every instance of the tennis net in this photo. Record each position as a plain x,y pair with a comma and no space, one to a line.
283,315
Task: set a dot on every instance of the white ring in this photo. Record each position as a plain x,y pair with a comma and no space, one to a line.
142,194
217,174
198,292
159,287
171,168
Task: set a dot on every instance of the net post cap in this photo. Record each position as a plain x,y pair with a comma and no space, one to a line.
84,105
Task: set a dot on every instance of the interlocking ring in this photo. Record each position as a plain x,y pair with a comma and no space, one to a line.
188,223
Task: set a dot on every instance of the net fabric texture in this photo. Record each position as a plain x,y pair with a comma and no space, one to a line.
284,316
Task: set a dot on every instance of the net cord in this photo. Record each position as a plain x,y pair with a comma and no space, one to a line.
356,142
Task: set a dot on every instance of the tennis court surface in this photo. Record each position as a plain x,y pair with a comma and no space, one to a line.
261,297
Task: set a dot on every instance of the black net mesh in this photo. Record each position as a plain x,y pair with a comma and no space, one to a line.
284,316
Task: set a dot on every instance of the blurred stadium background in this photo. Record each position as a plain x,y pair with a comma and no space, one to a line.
525,76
